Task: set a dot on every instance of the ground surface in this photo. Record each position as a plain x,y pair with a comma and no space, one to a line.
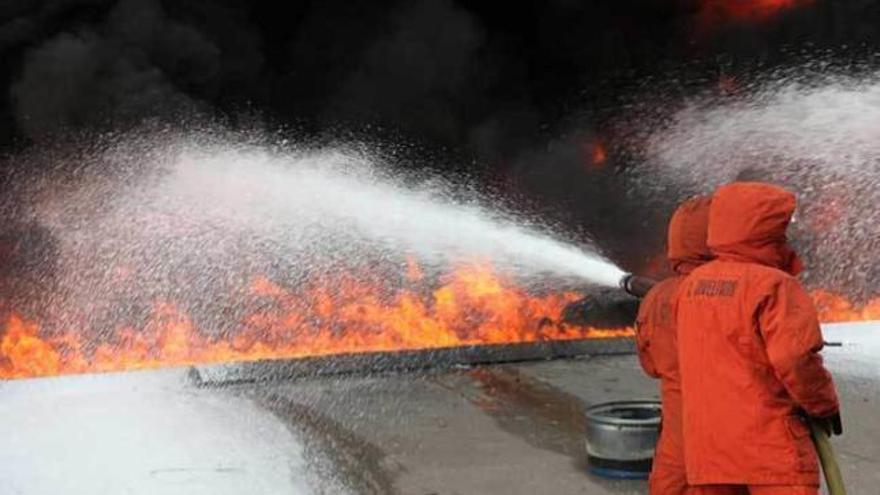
509,429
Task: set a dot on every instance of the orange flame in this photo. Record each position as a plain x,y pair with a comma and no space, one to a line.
599,154
594,154
473,306
835,308
715,12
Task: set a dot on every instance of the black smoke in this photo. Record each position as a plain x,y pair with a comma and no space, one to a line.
516,94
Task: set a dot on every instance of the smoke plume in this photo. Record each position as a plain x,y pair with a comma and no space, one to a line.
519,98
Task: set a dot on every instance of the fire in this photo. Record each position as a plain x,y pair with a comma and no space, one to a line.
713,12
594,154
599,155
473,305
835,308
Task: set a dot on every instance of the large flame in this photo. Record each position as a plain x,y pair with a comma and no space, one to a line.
473,306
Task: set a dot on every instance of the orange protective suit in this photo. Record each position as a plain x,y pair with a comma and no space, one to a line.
656,338
748,348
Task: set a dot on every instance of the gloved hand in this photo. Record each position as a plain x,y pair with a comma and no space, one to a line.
832,424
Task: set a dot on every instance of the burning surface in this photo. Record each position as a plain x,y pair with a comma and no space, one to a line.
473,306
834,308
239,254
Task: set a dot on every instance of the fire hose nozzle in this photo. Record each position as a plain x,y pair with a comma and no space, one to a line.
635,285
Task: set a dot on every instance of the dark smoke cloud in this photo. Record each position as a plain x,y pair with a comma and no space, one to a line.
455,74
84,79
513,94
106,65
427,61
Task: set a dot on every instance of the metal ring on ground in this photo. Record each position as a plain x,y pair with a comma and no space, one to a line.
621,436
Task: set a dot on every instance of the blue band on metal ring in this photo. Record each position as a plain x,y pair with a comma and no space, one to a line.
619,474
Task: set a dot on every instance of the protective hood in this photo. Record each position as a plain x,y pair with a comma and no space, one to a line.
747,222
686,245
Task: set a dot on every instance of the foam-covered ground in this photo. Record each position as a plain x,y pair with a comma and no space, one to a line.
495,429
859,352
140,433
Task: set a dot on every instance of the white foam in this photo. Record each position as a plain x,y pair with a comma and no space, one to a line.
141,433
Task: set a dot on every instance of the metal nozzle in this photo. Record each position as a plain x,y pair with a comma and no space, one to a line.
635,285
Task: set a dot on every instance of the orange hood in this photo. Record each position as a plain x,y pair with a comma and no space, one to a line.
687,247
747,222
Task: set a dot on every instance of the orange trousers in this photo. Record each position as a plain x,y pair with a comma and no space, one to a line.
752,490
671,480
667,480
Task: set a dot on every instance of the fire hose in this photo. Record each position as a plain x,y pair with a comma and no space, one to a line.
638,287
830,468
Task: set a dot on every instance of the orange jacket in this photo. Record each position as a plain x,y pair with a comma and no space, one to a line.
748,347
656,337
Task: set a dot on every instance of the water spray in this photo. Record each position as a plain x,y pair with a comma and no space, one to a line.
293,253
